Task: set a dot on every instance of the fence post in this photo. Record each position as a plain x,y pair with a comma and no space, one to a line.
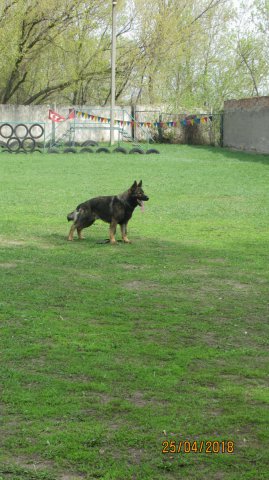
221,129
133,124
53,129
160,128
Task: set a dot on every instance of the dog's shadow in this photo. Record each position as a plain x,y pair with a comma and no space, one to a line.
58,239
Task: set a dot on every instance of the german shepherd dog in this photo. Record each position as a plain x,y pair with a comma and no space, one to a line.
111,209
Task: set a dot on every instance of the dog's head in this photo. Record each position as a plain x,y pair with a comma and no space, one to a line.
137,193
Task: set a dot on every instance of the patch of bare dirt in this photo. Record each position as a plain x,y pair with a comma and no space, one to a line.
39,465
141,285
87,275
8,265
80,378
137,310
16,243
210,339
197,271
135,455
45,246
19,243
138,399
104,398
71,476
237,285
115,426
216,260
130,266
215,412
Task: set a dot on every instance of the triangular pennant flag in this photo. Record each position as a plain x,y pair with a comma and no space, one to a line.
71,115
56,117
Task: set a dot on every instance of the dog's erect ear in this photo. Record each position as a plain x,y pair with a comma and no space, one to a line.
133,187
140,184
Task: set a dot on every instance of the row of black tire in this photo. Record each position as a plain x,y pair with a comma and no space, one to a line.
15,144
104,150
8,131
20,136
29,148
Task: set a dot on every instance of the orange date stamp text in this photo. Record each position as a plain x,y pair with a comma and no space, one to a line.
202,446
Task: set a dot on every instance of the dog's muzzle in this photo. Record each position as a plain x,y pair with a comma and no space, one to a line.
140,201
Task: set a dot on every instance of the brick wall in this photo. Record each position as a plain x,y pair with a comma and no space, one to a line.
246,124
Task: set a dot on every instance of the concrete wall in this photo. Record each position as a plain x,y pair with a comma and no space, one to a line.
246,124
85,130
92,130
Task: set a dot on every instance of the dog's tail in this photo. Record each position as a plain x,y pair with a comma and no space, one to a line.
72,216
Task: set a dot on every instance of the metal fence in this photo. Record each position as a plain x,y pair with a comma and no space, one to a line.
184,128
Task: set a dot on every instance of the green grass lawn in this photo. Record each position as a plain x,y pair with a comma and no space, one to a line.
109,351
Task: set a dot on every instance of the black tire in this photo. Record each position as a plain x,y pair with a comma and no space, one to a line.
13,144
6,125
36,125
86,150
120,150
102,150
152,150
137,150
53,150
89,143
39,144
19,127
38,150
70,150
72,144
28,144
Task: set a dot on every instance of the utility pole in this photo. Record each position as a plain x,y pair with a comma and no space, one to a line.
113,72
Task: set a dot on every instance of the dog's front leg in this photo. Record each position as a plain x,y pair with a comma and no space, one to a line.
112,231
124,233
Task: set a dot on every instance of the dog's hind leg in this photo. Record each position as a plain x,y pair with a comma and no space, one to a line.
124,233
71,233
112,231
79,230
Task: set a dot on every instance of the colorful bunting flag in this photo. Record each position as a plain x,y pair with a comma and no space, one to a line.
187,121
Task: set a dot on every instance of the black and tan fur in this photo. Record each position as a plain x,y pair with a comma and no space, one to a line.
115,209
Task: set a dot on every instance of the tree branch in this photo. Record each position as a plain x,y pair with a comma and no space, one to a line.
59,87
212,4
